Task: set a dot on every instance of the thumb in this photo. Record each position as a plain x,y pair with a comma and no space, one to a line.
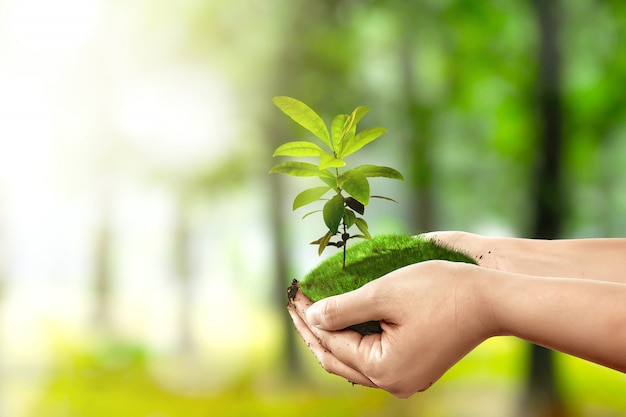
340,311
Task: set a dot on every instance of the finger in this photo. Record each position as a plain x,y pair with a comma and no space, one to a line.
429,235
326,358
320,341
445,238
297,309
349,347
354,307
300,302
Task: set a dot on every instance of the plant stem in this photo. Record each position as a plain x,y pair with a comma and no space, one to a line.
345,243
345,229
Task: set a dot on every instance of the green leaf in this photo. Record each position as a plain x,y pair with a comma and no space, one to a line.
345,134
309,196
304,116
298,148
349,218
354,118
309,213
355,205
358,113
323,242
384,198
355,183
346,137
330,181
301,169
361,139
362,225
333,212
336,127
329,161
379,171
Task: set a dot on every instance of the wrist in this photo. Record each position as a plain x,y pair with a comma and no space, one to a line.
478,282
536,257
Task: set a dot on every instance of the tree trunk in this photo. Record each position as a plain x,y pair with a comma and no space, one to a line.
418,146
183,272
102,270
281,280
542,397
3,283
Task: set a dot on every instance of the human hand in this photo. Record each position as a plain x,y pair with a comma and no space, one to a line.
525,256
431,316
478,247
596,259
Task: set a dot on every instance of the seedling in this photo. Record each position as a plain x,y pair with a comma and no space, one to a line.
346,207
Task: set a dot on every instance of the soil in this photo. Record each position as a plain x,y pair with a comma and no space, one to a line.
292,290
369,327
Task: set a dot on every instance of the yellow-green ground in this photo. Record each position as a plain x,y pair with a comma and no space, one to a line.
120,381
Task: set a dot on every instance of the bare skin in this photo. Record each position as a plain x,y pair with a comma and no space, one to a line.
565,295
595,259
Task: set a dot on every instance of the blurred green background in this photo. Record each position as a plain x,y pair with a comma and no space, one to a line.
145,250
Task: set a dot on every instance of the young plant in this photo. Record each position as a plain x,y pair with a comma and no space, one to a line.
350,185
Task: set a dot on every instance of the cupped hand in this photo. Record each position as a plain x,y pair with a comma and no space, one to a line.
431,316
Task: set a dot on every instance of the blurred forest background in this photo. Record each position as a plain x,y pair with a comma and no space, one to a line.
145,249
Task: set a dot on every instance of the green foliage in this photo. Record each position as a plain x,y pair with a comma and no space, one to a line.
351,187
370,260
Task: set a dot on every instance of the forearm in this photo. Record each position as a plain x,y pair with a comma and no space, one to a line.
593,259
580,317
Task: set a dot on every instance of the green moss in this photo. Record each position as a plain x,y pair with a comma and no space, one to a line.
372,259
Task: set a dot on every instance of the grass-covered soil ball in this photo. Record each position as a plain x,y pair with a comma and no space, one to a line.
371,259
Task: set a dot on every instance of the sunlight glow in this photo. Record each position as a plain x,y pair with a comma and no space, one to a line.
76,98
51,28
180,117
